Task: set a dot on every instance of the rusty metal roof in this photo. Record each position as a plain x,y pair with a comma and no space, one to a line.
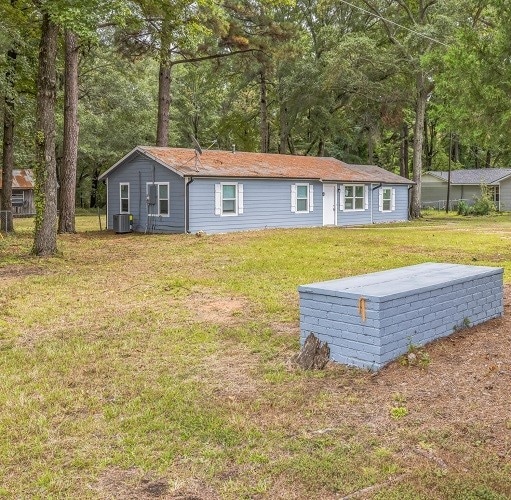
262,165
21,179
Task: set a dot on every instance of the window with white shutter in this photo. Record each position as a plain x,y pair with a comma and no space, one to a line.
228,199
302,198
387,199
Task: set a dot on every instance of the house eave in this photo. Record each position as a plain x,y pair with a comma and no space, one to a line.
133,152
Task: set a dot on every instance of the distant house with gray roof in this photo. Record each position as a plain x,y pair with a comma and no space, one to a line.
466,185
175,190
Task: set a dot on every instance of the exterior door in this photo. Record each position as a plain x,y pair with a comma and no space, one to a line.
329,212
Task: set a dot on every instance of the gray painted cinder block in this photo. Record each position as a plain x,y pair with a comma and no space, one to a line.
406,306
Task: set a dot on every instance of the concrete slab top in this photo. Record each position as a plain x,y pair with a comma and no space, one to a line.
394,283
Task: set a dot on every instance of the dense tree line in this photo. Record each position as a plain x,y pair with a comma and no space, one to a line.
405,84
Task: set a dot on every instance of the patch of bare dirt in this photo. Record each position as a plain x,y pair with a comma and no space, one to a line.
214,309
131,484
233,374
134,484
15,272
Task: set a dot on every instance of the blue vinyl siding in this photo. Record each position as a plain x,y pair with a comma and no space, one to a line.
267,204
138,171
401,211
353,218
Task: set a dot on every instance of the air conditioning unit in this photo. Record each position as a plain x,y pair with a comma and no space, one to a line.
122,223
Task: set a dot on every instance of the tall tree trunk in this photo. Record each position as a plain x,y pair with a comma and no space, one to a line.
94,189
283,129
429,143
476,157
321,145
403,164
45,238
68,173
370,146
291,145
8,144
263,113
418,140
455,148
487,163
162,128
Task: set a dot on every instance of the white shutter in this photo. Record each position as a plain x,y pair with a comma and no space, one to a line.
341,197
218,199
380,199
393,199
240,198
293,198
366,197
311,198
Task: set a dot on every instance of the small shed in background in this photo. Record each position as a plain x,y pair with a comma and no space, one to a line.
22,192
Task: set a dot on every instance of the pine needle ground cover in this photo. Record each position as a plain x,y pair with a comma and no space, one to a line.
149,365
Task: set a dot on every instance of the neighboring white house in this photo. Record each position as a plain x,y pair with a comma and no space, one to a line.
466,185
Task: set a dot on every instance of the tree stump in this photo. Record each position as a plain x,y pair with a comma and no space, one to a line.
314,354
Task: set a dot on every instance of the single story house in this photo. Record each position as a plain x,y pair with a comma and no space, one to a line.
178,190
466,184
22,192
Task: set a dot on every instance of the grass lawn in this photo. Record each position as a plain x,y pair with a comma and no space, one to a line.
145,365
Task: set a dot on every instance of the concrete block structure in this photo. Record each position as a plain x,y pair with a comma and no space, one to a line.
371,319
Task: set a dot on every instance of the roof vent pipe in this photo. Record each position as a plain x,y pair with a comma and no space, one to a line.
233,148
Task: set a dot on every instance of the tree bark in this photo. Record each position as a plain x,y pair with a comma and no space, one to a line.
283,129
456,149
487,163
321,145
71,128
429,143
45,238
370,146
418,141
94,189
403,164
164,98
8,144
263,113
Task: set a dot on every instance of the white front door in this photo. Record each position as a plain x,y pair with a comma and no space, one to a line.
329,212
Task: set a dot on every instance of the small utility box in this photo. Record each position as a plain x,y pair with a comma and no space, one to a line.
371,319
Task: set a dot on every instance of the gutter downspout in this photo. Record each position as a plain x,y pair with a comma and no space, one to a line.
187,205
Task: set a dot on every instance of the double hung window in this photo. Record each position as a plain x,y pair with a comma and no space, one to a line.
125,198
354,197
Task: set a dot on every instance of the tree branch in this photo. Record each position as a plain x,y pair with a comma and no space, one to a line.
212,56
408,11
